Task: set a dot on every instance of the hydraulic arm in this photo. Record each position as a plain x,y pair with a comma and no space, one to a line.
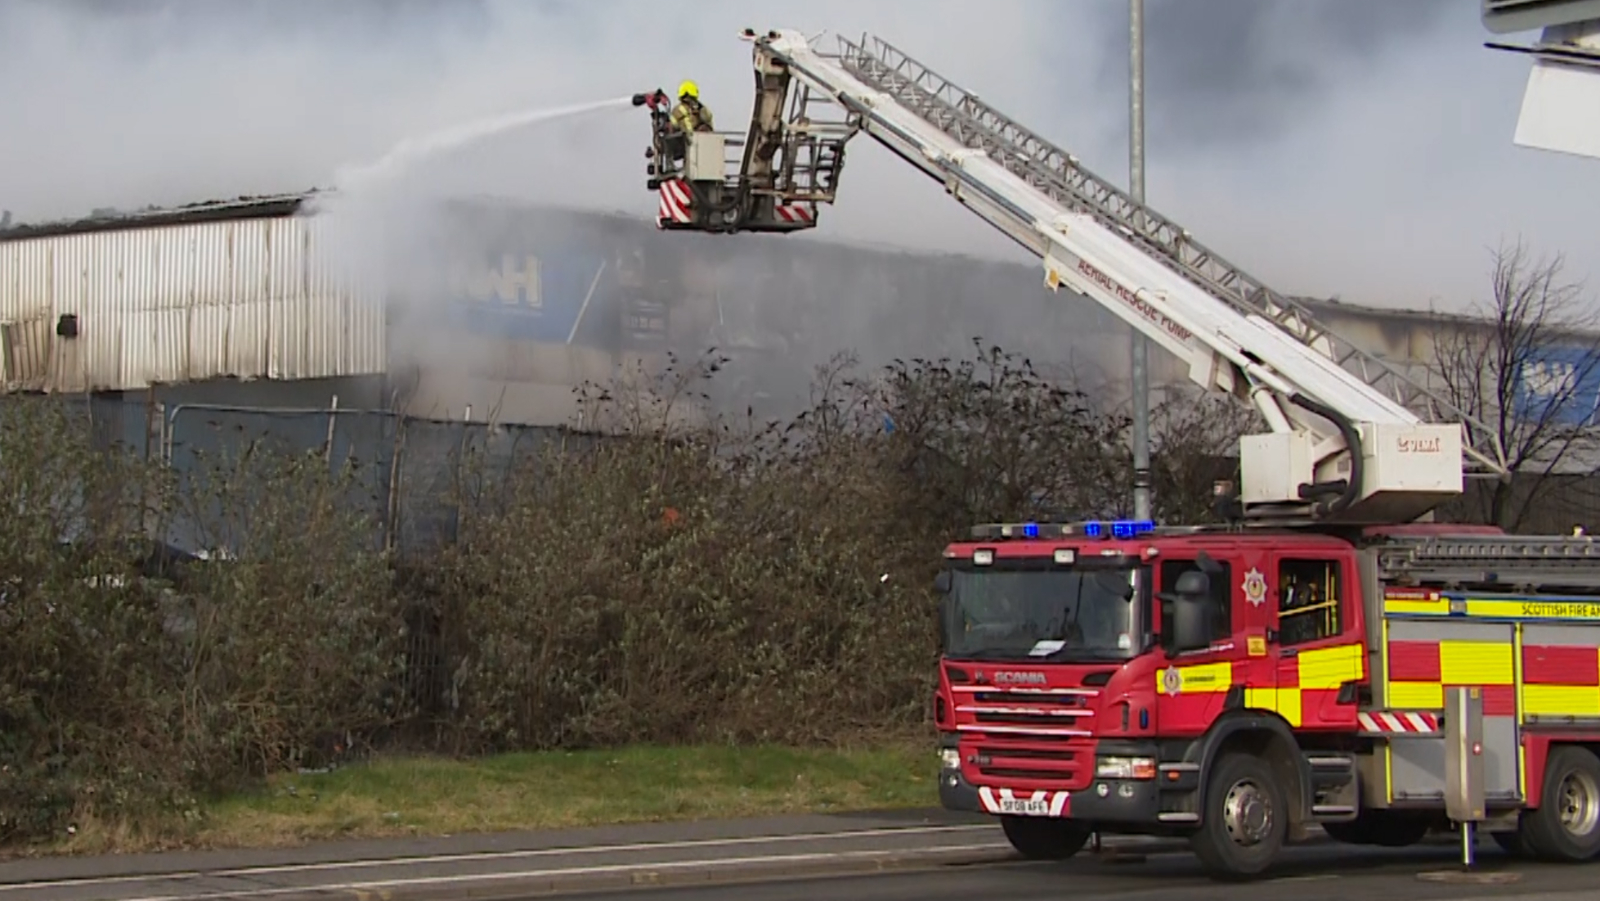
1352,439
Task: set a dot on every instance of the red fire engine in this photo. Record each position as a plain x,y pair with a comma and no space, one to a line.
1237,685
1242,686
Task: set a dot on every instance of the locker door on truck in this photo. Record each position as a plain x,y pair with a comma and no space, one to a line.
1314,639
1427,657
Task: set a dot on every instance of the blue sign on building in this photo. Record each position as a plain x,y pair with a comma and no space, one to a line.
527,295
1559,383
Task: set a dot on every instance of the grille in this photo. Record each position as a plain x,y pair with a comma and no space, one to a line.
1059,766
1026,734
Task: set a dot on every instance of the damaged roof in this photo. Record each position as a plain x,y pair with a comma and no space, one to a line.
264,206
248,207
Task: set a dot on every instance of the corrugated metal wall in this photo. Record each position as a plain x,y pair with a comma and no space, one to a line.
181,303
244,298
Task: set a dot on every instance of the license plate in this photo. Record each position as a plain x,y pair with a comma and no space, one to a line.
1028,807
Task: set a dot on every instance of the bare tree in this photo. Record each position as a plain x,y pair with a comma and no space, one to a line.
1194,437
1529,368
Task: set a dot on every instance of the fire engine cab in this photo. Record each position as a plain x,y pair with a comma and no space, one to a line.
1241,686
1328,658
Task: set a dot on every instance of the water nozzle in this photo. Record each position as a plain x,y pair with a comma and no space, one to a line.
652,99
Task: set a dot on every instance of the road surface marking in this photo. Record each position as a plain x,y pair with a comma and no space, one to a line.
179,875
713,863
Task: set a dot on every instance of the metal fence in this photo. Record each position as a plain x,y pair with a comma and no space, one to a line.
411,475
409,472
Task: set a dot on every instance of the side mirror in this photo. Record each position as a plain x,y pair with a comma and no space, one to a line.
942,582
1191,612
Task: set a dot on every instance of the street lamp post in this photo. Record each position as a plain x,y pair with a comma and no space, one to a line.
1141,346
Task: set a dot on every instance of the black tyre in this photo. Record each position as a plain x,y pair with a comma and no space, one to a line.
1244,820
1388,829
1349,832
1045,838
1511,843
1566,826
1383,828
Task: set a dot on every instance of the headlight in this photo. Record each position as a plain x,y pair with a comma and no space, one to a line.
950,758
1126,768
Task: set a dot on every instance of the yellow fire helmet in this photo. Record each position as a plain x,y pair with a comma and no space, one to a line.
689,89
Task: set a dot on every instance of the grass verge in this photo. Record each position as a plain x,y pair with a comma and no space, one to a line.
413,796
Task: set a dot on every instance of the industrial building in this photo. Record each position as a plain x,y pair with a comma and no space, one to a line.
185,326
484,309
485,306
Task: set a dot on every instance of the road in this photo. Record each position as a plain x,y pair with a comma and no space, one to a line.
1322,873
924,855
506,865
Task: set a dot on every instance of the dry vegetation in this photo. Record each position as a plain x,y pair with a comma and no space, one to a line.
723,584
429,795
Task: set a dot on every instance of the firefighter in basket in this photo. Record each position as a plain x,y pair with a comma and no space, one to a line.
688,115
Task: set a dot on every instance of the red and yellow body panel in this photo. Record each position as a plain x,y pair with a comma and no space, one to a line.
1420,671
1302,688
1520,678
1543,665
1560,681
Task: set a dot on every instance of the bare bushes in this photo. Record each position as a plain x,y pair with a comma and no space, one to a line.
82,721
667,576
683,580
291,635
132,676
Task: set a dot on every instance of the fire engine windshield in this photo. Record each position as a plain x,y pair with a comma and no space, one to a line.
1029,611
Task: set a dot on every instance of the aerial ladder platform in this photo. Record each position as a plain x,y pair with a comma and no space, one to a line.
1353,439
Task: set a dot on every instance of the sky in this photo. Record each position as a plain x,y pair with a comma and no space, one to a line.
1359,149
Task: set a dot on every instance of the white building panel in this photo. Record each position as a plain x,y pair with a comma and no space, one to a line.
180,303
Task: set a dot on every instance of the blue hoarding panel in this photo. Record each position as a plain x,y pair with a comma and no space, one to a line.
1559,383
526,296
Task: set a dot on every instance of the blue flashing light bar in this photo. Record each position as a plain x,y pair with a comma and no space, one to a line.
1098,529
1128,528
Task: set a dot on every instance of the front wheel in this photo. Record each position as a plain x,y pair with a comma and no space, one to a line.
1566,825
1245,819
1045,838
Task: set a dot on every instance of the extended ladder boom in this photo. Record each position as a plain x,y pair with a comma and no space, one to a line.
1352,439
1056,173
